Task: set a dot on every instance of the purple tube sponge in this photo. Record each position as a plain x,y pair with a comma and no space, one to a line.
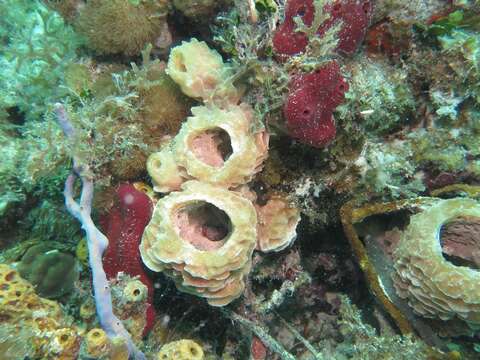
97,242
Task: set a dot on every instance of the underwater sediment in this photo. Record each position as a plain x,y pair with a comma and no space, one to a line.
256,179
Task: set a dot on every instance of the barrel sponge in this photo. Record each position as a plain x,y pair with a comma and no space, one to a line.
200,72
434,287
163,169
203,237
181,350
214,145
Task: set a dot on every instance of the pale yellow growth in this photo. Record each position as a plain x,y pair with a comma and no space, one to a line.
181,350
97,343
64,344
201,73
217,272
434,287
277,224
135,291
163,169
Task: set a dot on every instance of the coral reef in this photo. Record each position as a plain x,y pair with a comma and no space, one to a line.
50,333
265,127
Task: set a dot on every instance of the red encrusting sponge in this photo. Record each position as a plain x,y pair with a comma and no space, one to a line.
310,103
124,226
354,14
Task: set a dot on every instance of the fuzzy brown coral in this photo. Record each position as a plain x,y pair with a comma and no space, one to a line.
120,26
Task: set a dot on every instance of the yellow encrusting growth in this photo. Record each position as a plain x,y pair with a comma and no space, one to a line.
21,307
201,73
181,350
97,343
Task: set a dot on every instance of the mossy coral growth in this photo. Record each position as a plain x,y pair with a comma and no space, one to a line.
122,26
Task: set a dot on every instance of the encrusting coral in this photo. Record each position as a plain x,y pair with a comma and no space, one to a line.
435,287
